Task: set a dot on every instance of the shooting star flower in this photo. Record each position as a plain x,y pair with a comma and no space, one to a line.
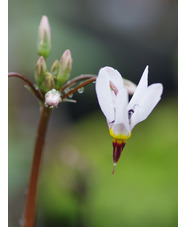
121,114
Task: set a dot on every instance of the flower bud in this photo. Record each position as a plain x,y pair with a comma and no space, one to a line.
55,68
65,67
52,98
49,81
44,37
40,70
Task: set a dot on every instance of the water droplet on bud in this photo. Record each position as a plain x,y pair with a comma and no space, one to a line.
66,90
81,90
70,96
36,87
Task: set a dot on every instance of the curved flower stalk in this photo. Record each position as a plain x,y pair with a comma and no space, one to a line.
121,114
48,101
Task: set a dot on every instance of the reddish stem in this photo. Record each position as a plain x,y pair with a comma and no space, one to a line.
30,209
75,80
28,82
83,84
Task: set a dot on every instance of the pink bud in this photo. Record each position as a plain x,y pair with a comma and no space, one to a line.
66,61
65,67
44,37
44,29
52,98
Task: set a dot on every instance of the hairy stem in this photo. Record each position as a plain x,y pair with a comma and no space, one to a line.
28,82
30,209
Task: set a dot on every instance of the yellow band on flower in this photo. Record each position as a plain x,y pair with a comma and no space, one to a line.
119,137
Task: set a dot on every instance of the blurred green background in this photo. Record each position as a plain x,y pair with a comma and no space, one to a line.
76,186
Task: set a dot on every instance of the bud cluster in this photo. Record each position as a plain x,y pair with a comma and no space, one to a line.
60,70
58,74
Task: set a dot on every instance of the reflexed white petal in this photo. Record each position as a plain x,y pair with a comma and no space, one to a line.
147,103
114,76
140,90
104,95
121,124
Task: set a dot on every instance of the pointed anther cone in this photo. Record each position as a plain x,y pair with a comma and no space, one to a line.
118,146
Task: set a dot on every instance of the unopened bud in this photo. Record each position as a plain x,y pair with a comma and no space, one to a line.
65,67
55,68
49,81
40,70
52,98
44,37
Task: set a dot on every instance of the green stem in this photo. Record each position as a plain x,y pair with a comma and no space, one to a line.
30,209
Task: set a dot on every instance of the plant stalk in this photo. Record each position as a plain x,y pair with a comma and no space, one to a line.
83,84
75,80
29,83
30,209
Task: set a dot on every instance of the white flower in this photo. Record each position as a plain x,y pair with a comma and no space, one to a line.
121,114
